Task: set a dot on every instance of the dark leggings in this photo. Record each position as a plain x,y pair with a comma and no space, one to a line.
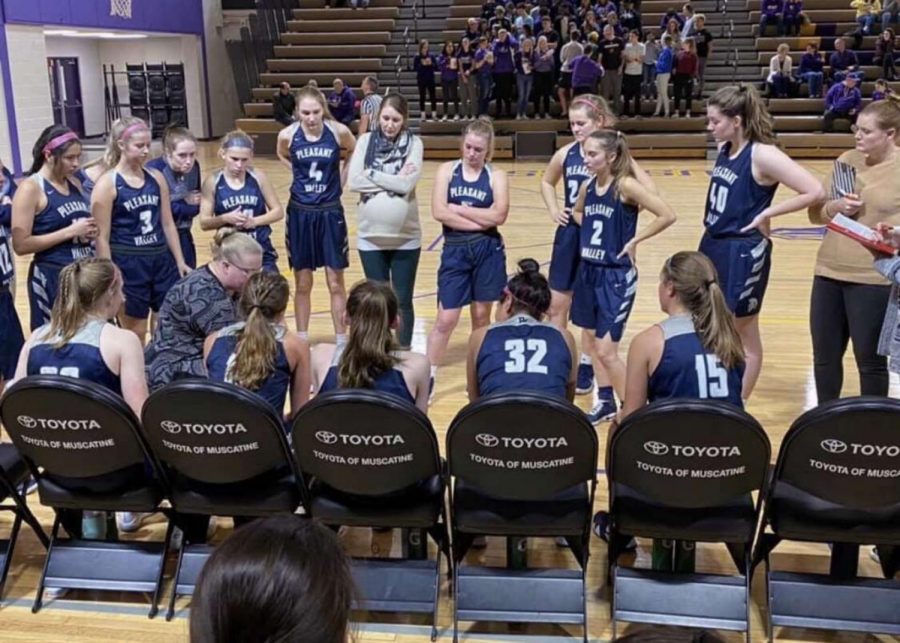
840,311
399,268
503,92
432,94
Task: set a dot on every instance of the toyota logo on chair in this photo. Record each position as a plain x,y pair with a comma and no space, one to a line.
832,445
656,448
326,437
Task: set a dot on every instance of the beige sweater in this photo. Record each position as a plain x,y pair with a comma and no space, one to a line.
878,186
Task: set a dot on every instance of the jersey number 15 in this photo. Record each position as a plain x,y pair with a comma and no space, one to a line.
712,378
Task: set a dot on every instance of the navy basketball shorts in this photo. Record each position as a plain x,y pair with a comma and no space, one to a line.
270,256
316,237
565,257
603,299
146,278
188,251
11,339
743,265
472,269
43,284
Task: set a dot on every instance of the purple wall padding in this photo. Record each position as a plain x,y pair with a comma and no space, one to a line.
173,16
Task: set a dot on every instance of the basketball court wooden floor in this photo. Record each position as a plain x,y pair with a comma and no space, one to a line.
785,390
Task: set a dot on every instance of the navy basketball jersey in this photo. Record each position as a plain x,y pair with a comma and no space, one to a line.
523,354
180,187
474,194
606,226
136,216
687,369
7,267
248,197
734,197
575,173
391,381
61,210
79,357
317,167
87,185
220,362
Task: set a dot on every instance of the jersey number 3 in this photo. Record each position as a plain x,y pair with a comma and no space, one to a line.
712,378
516,349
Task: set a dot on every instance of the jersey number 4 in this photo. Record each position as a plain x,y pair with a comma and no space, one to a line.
516,349
315,174
712,378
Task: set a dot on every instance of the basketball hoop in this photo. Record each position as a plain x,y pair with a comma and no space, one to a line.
120,8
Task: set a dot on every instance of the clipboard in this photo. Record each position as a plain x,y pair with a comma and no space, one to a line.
860,233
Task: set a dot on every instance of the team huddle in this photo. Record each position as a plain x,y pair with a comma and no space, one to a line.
113,240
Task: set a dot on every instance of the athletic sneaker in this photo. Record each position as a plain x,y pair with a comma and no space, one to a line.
601,530
873,554
129,522
603,411
585,382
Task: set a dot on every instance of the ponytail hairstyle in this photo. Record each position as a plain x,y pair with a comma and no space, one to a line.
482,127
229,245
693,277
312,91
263,301
121,130
595,108
529,290
236,138
613,142
54,140
81,285
372,307
743,100
886,113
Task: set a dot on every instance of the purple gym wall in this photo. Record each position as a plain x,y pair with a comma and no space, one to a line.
171,16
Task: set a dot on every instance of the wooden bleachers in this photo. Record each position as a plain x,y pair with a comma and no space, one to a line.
330,51
338,26
334,65
447,147
349,38
346,14
808,145
819,15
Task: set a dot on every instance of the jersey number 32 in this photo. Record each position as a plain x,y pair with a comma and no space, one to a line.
525,356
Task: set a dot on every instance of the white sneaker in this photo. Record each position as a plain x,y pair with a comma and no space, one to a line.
444,118
456,117
129,522
688,115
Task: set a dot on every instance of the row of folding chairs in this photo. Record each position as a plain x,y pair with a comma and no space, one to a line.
520,465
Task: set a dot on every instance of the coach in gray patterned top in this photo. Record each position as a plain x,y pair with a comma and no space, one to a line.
198,305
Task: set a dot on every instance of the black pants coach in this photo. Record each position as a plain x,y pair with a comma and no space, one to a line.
840,311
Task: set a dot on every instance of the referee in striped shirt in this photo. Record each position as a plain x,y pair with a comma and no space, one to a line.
369,106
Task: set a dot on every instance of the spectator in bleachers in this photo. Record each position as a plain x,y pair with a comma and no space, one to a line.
633,74
811,70
369,105
683,78
673,31
499,21
793,17
665,62
604,8
565,21
884,53
504,72
702,39
612,20
525,58
780,75
890,12
591,24
284,104
842,101
611,48
866,11
472,31
425,65
544,65
488,7
688,25
548,32
449,66
341,102
882,91
521,21
669,15
586,71
567,54
484,63
630,18
468,82
771,12
843,61
651,53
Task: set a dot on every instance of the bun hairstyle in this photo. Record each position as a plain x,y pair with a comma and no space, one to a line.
228,244
886,113
81,285
55,140
696,284
483,127
263,301
529,290
372,308
743,100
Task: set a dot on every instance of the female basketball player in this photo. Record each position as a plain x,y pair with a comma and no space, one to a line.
470,199
316,228
606,283
370,359
11,337
587,114
739,207
136,229
89,174
179,166
50,218
259,354
242,197
521,352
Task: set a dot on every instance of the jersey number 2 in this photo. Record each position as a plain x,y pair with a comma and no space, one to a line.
712,378
516,349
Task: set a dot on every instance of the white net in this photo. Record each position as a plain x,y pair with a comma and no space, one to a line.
120,8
